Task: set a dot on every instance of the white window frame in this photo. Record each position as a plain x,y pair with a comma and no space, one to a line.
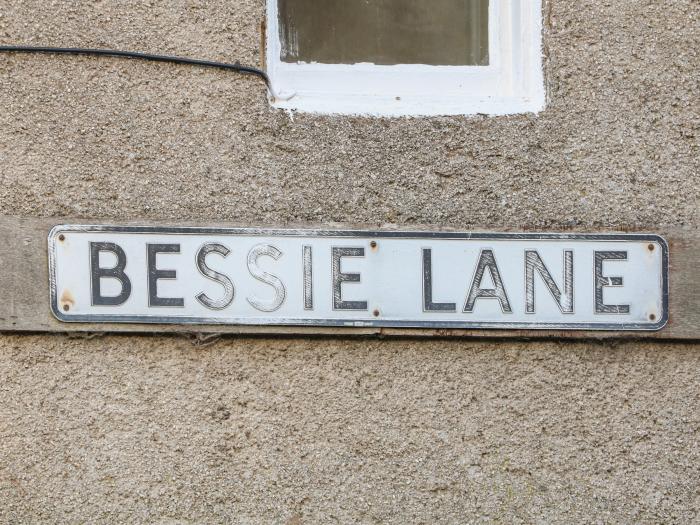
511,83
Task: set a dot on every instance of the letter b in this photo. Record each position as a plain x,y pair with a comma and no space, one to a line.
117,272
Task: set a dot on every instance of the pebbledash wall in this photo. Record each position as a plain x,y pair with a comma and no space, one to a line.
161,429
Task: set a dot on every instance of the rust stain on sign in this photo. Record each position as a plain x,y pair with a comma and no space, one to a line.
67,300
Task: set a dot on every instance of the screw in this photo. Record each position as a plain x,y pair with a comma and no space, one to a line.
373,244
652,317
66,307
61,237
375,313
650,247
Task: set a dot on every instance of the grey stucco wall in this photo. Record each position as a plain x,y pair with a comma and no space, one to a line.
316,430
617,146
140,429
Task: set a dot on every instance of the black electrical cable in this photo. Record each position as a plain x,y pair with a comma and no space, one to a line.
238,68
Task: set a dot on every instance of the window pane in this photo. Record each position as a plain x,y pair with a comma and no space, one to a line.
434,32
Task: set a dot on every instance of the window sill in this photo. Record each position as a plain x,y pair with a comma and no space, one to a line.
409,106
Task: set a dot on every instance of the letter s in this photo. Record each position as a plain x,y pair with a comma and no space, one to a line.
280,292
215,276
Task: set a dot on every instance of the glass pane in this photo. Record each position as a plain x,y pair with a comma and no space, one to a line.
434,32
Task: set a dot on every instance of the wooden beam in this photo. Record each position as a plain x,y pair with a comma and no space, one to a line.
24,283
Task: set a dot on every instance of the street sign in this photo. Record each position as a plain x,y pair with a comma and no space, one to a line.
387,278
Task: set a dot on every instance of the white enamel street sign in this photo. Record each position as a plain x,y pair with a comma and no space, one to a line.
192,275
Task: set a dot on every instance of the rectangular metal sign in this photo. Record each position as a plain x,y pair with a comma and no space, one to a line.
128,274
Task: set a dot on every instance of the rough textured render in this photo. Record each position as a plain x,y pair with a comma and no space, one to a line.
617,146
155,429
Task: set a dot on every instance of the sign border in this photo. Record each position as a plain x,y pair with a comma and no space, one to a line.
355,233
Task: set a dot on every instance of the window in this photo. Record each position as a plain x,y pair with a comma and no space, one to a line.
406,57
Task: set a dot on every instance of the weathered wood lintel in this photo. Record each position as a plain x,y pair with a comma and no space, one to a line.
24,282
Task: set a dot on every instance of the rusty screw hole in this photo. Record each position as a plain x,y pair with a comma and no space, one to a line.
650,247
66,307
373,244
61,237
375,313
652,317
